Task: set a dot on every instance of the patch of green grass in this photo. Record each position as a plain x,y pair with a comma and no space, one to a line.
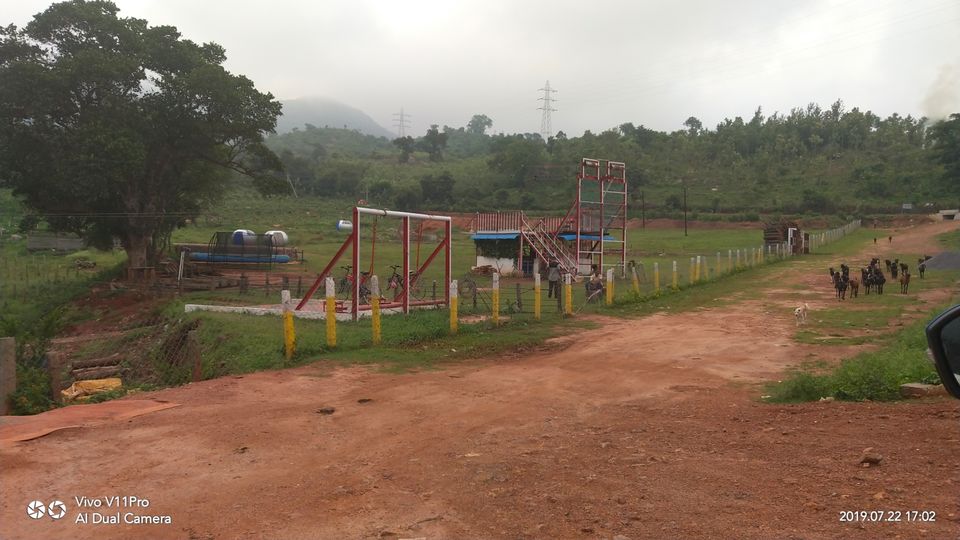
950,240
233,343
874,375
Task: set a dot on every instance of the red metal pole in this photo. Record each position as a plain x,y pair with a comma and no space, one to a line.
355,301
326,271
603,198
447,267
405,240
623,249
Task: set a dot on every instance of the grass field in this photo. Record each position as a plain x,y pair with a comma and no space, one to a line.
893,323
239,344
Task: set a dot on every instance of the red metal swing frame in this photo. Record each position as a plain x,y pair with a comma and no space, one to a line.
402,299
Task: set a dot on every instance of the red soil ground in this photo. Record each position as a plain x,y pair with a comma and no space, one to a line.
646,428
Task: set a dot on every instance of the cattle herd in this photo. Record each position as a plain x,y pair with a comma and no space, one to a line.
873,278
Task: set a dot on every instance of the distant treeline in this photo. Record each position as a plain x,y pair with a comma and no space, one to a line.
809,160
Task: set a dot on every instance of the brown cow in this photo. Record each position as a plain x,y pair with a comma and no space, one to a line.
904,282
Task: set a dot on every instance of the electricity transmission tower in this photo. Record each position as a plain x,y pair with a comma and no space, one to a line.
546,130
401,123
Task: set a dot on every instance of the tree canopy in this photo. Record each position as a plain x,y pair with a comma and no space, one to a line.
946,151
112,128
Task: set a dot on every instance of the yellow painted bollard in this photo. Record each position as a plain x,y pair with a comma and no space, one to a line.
676,285
699,275
496,299
567,294
610,291
636,280
738,259
375,309
289,332
656,278
729,261
536,297
454,300
331,313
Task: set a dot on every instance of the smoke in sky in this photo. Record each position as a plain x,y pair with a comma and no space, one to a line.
943,96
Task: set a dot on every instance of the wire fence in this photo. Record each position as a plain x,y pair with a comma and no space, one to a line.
147,344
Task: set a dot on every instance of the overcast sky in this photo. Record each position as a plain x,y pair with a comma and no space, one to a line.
650,63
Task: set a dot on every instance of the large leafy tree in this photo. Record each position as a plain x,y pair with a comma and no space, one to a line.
112,128
434,142
946,150
479,124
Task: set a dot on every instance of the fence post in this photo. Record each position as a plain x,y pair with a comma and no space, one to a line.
568,294
55,362
8,371
700,271
331,293
495,304
656,278
716,272
454,297
434,291
692,271
610,284
375,308
193,355
536,296
675,283
636,280
729,261
289,333
738,259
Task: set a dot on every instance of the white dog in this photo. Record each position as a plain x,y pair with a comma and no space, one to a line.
801,313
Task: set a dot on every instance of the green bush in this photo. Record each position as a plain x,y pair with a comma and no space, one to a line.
802,386
874,375
33,391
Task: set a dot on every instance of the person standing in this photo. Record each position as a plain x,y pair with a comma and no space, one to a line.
553,279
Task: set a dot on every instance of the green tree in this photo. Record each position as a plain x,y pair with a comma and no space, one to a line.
434,142
437,189
517,157
694,125
112,128
406,146
479,124
408,198
946,150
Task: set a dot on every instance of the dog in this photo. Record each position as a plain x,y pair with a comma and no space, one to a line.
801,313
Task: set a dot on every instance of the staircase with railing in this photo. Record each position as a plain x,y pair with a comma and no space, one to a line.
546,246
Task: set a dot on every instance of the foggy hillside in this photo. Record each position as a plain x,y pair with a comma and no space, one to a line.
323,112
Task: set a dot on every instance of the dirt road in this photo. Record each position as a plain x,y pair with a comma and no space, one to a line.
647,428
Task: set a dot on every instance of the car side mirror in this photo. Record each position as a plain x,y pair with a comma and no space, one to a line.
943,337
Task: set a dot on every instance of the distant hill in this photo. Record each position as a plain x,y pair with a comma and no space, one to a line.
322,112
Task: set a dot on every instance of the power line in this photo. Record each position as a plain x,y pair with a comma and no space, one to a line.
401,123
546,129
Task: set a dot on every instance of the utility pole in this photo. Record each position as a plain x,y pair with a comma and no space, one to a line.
643,211
684,210
400,122
292,188
546,129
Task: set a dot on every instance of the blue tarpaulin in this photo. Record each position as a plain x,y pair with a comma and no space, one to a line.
573,236
495,236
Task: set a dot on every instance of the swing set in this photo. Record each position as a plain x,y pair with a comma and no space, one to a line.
407,280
